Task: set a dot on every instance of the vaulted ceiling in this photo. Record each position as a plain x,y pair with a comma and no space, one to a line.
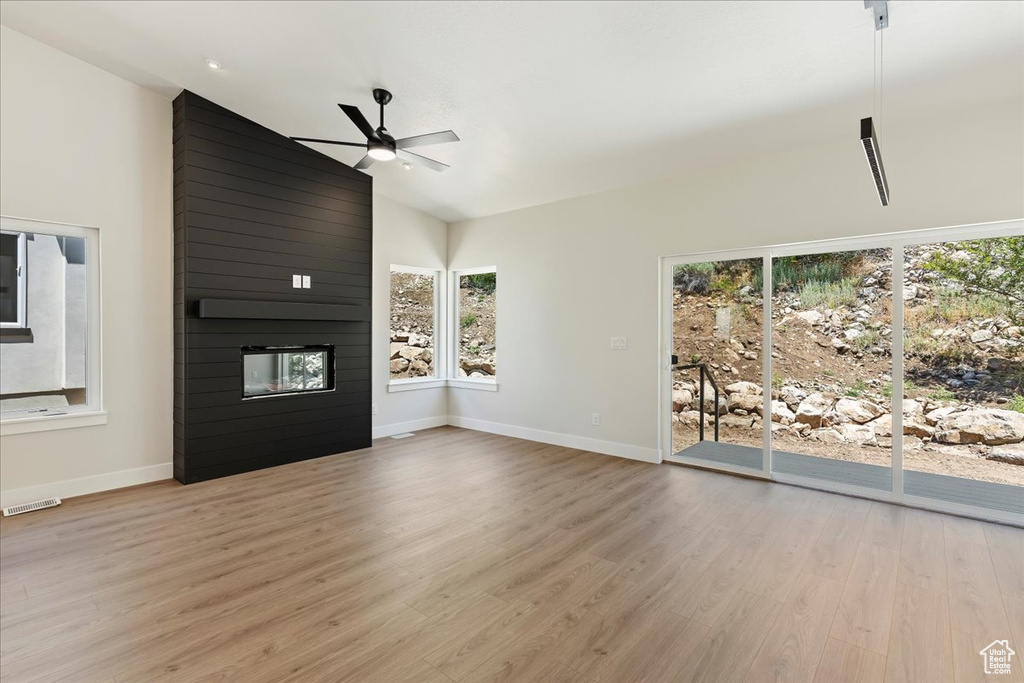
551,99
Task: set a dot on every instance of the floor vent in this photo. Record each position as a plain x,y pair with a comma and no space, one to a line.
29,507
404,435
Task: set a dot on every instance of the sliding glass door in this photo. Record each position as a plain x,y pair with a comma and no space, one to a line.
717,336
832,367
889,367
963,372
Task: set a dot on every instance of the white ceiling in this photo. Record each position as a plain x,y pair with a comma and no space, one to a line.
551,99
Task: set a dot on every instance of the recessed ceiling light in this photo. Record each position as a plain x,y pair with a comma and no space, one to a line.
407,166
213,64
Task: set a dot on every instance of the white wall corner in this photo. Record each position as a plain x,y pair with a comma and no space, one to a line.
621,450
381,431
69,488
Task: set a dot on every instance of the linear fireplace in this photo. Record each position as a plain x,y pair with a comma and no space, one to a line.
286,370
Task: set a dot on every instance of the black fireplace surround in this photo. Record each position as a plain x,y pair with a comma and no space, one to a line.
265,373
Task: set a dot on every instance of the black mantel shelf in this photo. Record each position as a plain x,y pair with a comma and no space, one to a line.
246,309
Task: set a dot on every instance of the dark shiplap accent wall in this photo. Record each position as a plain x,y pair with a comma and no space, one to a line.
252,207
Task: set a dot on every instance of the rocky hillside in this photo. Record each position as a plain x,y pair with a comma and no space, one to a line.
831,361
412,325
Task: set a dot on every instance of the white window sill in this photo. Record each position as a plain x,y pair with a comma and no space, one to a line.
414,384
45,423
432,383
477,384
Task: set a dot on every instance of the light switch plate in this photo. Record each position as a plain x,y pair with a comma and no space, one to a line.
307,282
297,281
619,344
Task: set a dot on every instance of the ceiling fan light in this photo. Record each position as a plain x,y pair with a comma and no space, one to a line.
380,152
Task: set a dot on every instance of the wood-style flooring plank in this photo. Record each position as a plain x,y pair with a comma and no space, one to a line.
463,556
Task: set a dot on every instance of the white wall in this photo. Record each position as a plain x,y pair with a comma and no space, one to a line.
576,272
79,145
406,237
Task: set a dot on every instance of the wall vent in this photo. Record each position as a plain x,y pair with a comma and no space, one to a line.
29,507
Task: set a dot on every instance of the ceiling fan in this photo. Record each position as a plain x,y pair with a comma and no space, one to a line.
381,145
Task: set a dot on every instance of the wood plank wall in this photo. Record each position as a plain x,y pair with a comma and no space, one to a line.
252,208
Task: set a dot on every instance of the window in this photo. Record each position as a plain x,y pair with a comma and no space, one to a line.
475,316
12,279
414,326
50,361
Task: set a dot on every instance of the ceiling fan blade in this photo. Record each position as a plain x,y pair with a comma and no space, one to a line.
427,139
331,142
357,118
364,163
422,161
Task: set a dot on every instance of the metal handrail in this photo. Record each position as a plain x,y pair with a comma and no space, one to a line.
704,373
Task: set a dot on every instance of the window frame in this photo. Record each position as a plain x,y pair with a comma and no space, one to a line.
92,412
440,337
454,380
21,317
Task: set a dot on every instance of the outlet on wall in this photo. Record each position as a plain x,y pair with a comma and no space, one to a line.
297,281
619,344
373,409
595,419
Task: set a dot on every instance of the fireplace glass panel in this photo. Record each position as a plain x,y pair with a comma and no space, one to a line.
291,370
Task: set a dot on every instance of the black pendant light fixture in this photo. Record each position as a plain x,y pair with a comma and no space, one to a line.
868,129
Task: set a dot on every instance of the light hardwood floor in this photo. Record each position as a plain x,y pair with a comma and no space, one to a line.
462,556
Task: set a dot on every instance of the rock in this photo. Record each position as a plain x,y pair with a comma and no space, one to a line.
812,409
840,346
681,400
909,292
411,353
859,411
395,348
782,414
399,365
419,367
997,364
736,421
989,426
858,433
852,334
691,418
419,340
912,407
933,416
979,336
792,396
912,426
749,355
736,345
1013,456
826,435
748,402
811,317
743,388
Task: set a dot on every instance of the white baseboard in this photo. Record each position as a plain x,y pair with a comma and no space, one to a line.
69,488
582,443
381,431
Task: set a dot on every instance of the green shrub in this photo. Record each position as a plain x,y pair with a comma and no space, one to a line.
486,282
467,320
941,394
867,340
693,278
909,389
829,294
1016,403
856,389
777,381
